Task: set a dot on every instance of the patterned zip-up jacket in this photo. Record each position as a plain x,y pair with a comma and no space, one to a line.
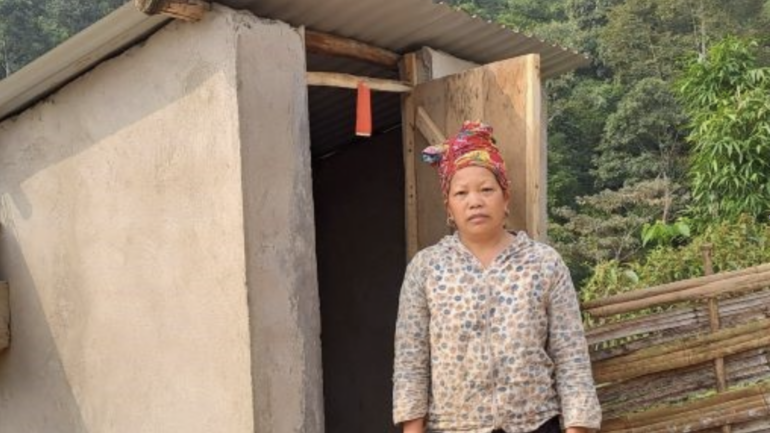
482,349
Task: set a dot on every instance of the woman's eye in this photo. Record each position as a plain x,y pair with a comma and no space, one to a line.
460,193
487,189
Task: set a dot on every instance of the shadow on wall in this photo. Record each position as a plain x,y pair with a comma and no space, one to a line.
33,383
36,394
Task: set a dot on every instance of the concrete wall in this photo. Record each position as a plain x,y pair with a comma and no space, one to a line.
133,251
280,231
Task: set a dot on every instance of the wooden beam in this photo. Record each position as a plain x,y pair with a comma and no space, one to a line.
409,71
672,387
675,320
683,353
428,128
732,407
186,10
717,288
5,316
347,81
673,287
332,45
536,167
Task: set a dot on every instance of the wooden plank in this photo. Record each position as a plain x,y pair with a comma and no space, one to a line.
543,222
668,336
717,288
536,180
409,73
428,128
697,315
5,316
348,81
672,287
737,406
498,95
186,10
333,45
674,387
683,353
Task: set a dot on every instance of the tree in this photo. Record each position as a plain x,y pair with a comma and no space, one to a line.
607,225
727,97
578,111
641,139
29,28
647,38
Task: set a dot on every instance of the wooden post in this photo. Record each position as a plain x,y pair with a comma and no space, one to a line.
186,10
536,179
409,74
713,303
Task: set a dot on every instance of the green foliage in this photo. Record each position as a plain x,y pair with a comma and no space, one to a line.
578,110
524,15
661,233
728,99
735,245
607,226
641,139
29,28
647,38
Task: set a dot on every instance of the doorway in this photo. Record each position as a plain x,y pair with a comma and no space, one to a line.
358,191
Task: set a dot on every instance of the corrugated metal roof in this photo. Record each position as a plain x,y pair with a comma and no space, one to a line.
406,25
397,25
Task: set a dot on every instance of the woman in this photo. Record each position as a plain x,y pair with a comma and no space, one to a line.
489,337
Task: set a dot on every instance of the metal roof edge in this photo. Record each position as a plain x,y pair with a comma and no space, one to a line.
70,59
577,59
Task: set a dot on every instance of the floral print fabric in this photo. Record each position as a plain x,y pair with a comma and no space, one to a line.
502,347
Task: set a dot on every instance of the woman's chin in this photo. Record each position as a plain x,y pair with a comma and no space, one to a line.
479,228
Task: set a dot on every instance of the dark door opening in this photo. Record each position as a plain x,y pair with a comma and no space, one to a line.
359,215
358,194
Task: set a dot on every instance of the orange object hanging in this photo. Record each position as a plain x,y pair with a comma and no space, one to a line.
364,111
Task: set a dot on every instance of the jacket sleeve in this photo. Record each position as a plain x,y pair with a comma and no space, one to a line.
569,351
411,367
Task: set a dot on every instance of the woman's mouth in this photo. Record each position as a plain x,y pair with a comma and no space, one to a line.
477,218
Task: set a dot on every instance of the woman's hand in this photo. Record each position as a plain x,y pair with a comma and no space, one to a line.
574,430
415,426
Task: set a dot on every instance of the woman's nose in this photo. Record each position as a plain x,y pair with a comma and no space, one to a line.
474,199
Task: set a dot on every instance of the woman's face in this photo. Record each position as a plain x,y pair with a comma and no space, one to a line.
476,202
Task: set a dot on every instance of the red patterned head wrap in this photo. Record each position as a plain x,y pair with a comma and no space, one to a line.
474,145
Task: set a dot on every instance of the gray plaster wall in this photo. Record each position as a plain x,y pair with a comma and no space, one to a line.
279,230
144,226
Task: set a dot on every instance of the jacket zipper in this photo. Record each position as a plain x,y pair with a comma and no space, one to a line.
490,348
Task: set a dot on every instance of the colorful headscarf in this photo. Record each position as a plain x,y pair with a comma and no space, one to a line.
474,145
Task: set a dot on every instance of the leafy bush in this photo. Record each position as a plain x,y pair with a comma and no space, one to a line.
727,97
735,245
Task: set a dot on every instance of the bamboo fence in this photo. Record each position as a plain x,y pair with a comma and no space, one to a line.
701,363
